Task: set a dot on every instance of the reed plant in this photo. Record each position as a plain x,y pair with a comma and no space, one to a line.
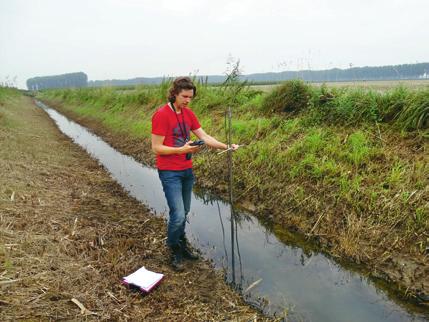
415,114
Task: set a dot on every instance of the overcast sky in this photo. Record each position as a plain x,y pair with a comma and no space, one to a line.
121,39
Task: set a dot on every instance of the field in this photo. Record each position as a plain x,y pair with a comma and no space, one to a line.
374,85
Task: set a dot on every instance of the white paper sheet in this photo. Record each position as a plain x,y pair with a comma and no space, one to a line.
144,279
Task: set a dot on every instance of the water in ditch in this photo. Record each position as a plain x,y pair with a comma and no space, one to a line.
279,273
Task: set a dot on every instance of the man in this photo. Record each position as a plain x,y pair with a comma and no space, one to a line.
171,127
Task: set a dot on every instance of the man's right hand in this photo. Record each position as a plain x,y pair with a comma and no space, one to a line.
188,148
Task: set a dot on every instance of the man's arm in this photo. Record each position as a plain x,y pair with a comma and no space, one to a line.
158,147
211,141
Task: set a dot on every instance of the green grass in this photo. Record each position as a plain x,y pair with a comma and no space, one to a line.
357,150
7,94
415,114
292,96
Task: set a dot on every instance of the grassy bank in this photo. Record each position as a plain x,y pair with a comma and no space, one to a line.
347,167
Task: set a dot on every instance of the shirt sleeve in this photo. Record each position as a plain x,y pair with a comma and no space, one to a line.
159,124
194,122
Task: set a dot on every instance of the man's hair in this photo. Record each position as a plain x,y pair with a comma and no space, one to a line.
179,84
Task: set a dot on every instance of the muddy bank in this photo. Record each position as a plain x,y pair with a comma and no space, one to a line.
68,231
408,270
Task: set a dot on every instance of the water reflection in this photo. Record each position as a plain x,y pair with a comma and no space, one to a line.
285,275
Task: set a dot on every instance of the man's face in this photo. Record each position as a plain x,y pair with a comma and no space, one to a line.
184,98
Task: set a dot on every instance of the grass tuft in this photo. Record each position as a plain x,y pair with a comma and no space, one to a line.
291,96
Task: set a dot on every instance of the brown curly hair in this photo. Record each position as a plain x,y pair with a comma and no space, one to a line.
179,84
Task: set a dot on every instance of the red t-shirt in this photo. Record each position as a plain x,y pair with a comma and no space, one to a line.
164,123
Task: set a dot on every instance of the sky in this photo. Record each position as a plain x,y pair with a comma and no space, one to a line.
120,39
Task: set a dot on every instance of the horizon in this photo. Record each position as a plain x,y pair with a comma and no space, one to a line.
173,76
374,75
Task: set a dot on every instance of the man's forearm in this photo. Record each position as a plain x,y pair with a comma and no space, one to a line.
212,142
166,150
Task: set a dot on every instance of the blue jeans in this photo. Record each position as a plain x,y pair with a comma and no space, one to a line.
177,187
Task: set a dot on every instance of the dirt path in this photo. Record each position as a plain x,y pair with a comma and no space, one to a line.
68,231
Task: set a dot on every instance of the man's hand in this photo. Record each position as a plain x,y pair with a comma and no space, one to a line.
233,147
188,148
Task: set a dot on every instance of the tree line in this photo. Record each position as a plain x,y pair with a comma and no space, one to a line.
392,72
79,79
